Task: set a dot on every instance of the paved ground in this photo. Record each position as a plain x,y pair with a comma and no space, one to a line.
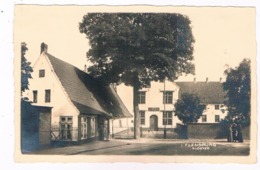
152,147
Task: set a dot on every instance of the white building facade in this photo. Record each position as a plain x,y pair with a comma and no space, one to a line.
156,103
82,107
156,106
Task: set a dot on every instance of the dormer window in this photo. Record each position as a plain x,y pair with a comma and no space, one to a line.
41,73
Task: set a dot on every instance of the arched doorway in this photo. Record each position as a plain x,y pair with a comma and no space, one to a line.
154,123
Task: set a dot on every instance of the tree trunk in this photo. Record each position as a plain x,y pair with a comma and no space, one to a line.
136,113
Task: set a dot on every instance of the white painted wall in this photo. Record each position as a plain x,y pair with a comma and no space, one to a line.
210,111
59,99
116,126
154,98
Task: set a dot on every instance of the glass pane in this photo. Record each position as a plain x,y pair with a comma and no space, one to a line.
164,114
63,119
169,121
142,113
164,121
93,126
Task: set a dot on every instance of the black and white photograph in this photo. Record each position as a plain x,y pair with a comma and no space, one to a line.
135,83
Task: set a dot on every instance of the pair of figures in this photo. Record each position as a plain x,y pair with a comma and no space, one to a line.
235,134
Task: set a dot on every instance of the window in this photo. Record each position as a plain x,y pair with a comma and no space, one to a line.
216,106
47,96
35,96
167,118
142,115
204,118
141,97
92,127
84,127
217,118
66,127
41,73
167,97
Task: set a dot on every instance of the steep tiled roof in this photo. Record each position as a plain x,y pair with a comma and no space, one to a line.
209,93
87,94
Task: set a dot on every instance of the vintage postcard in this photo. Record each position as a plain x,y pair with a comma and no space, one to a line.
135,84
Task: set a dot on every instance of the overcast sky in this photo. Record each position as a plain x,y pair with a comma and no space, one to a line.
224,36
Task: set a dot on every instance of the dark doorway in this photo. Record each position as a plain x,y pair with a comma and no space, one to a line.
154,123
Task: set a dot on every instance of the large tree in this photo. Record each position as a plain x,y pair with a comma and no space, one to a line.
189,108
238,88
26,69
137,48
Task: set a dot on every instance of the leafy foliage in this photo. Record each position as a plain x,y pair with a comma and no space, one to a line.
150,46
137,48
238,88
189,108
26,69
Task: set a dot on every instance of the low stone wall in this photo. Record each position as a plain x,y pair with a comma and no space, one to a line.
212,131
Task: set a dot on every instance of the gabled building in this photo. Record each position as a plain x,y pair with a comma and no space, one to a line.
211,94
82,107
156,104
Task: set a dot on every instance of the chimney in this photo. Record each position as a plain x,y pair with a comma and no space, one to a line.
194,80
44,47
207,79
220,79
85,68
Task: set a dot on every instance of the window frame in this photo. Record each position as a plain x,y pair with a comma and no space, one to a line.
204,118
217,118
84,127
142,117
47,96
66,125
92,128
167,117
141,97
35,96
41,73
167,97
217,107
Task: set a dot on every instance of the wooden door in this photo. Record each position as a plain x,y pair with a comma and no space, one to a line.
154,123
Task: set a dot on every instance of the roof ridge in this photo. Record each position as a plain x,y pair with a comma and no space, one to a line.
88,94
49,55
209,92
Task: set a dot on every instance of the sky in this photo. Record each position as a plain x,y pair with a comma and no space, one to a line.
223,36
